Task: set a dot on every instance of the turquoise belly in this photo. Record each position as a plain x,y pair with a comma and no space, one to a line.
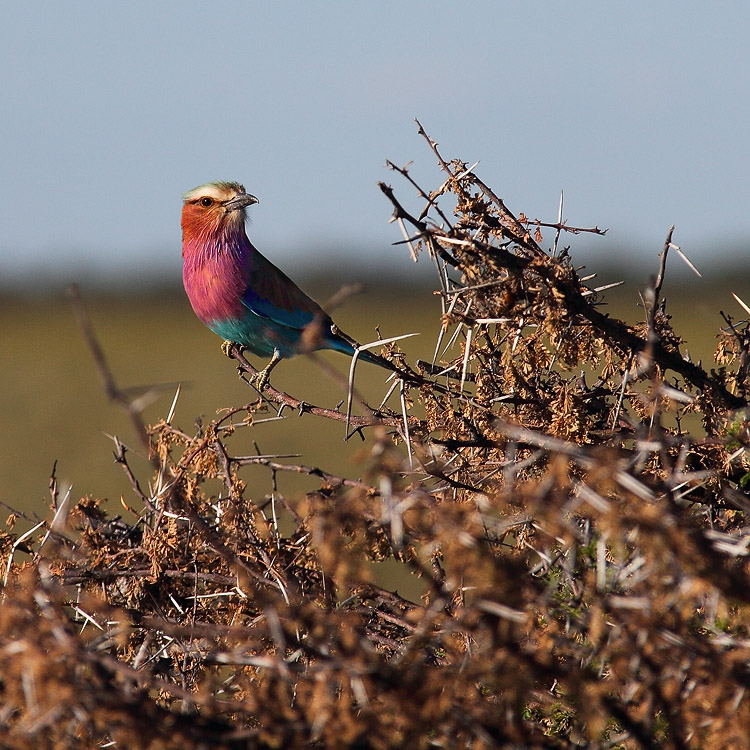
259,335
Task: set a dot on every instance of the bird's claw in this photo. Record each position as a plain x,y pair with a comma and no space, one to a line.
260,380
226,347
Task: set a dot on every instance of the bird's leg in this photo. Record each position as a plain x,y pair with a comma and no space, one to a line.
260,379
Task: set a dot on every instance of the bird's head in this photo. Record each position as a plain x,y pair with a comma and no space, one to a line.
215,207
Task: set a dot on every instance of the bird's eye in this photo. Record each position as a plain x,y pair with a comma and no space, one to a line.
206,202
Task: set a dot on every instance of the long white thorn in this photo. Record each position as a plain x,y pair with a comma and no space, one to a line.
174,404
406,426
686,260
380,342
467,351
443,330
352,366
388,395
559,224
741,303
350,390
412,251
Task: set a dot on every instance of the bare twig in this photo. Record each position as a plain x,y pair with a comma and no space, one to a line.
114,393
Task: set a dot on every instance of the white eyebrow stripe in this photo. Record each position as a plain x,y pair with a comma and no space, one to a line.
207,191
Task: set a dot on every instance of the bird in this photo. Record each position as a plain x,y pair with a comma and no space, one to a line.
240,294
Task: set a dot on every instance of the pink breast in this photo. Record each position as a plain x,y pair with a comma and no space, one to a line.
214,288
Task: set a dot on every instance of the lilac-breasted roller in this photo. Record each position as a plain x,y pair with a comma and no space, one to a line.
239,294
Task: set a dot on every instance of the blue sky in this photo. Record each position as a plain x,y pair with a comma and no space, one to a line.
638,110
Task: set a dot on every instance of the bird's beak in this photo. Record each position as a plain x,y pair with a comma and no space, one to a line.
239,202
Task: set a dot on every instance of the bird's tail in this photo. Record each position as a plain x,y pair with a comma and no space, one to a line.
376,359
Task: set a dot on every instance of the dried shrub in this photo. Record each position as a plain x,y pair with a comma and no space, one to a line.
583,554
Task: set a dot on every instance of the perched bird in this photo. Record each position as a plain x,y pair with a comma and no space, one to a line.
239,294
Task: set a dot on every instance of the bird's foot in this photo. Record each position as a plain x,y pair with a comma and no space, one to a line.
260,380
226,347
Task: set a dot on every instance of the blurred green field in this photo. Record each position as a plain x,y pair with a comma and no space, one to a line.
54,407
